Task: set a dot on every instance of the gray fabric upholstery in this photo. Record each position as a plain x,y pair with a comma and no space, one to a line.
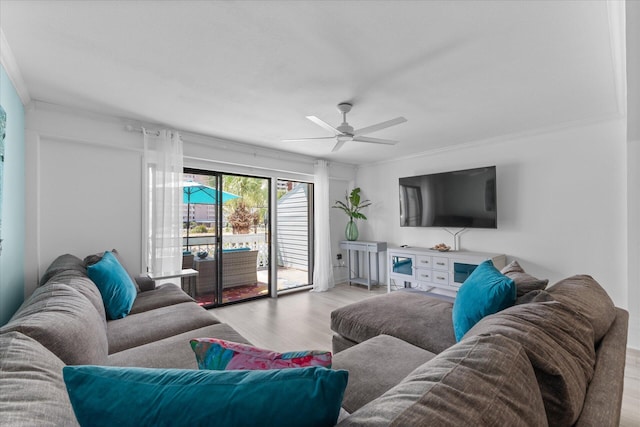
559,343
375,366
175,351
340,343
586,296
32,391
525,282
481,381
86,287
64,321
162,296
418,319
604,396
144,283
534,296
153,325
64,263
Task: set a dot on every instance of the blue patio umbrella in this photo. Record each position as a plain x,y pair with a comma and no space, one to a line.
200,194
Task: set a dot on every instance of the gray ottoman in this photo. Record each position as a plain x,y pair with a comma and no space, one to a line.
415,317
375,366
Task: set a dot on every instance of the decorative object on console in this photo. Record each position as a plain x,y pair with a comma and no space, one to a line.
441,247
352,208
108,396
485,292
220,355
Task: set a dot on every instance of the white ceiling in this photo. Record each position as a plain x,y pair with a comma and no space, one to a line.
459,71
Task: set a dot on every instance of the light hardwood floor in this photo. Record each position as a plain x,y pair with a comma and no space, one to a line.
300,321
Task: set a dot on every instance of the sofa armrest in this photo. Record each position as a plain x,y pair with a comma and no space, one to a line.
145,283
603,402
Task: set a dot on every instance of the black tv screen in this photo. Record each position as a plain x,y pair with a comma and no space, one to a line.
464,198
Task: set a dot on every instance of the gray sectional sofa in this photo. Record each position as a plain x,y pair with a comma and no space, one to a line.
555,358
64,323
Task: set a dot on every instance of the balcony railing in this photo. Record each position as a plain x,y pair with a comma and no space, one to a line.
256,241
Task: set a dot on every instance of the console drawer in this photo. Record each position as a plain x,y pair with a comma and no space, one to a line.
423,261
440,277
440,263
423,275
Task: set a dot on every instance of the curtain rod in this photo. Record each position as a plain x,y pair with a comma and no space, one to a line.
130,128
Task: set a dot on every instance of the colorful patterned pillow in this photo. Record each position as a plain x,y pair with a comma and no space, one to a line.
217,354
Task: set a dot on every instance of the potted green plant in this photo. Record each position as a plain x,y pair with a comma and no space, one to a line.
352,206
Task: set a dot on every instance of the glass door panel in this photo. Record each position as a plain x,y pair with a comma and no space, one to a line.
200,232
245,238
226,236
294,215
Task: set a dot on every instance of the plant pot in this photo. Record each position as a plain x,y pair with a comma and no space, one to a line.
351,232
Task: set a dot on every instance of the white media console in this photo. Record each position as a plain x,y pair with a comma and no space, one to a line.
427,269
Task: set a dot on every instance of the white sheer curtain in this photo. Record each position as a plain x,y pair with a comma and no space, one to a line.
163,207
322,265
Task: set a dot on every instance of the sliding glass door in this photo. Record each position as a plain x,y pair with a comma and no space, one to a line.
226,236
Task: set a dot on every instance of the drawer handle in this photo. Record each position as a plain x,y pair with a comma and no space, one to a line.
440,278
440,263
424,262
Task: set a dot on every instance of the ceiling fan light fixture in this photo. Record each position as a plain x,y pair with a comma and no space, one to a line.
345,132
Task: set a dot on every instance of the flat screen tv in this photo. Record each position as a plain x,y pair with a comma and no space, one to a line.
463,198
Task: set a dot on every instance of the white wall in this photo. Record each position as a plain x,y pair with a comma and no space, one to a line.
561,202
84,182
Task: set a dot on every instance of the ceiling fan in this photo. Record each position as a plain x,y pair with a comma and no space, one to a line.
345,131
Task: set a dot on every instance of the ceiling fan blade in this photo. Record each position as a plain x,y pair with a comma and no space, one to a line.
324,125
374,140
380,126
308,139
338,145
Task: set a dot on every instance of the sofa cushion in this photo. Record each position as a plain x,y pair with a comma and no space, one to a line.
116,287
32,391
375,366
95,258
587,297
416,318
161,296
149,326
525,282
219,354
486,291
108,396
86,287
173,351
533,297
68,263
559,344
65,322
481,381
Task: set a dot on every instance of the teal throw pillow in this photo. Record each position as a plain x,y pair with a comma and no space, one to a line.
118,396
486,291
116,287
